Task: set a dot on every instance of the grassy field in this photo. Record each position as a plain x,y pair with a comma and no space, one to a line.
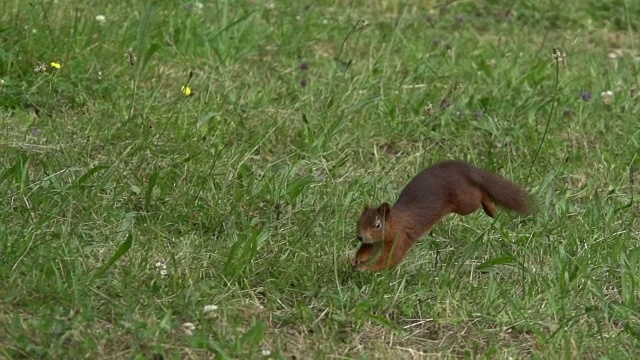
182,180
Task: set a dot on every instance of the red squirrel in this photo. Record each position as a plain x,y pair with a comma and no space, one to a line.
444,188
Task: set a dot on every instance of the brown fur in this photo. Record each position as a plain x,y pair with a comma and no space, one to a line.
444,188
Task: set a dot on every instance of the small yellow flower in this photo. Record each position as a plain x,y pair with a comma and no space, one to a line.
55,64
186,90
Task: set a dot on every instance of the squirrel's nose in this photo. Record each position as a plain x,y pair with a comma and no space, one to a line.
359,237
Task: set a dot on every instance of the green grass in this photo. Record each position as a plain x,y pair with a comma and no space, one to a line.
127,207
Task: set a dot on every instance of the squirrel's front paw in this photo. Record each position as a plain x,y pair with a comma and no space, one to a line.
360,267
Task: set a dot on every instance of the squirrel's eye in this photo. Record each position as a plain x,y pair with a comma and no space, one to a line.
377,224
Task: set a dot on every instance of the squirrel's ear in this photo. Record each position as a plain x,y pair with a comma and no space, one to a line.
384,210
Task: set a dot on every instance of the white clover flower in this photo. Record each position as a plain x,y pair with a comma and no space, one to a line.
266,352
615,54
188,328
210,308
162,268
101,19
607,97
40,67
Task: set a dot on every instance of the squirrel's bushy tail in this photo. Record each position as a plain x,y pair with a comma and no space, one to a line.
501,190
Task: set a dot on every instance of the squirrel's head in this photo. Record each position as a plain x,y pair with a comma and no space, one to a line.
373,224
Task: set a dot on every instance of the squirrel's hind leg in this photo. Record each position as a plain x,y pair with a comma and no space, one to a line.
488,205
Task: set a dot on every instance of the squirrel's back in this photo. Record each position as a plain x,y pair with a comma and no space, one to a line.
435,183
447,185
